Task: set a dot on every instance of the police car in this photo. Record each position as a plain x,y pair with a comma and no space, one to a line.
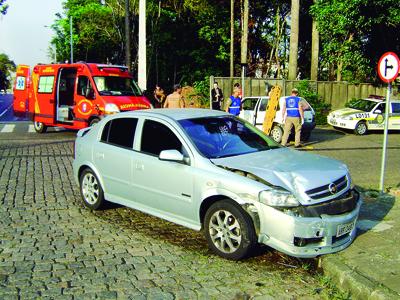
367,114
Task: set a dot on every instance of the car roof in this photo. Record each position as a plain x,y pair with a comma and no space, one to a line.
178,113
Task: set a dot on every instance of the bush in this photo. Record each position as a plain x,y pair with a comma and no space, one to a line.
310,94
202,91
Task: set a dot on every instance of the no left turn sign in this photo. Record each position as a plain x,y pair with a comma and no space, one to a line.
388,67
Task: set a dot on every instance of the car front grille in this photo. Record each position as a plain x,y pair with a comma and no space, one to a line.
327,190
340,205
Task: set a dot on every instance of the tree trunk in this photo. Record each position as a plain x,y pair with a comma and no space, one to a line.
127,37
294,39
245,30
231,69
339,71
314,50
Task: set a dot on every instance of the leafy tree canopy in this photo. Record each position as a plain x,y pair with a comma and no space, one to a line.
3,7
6,67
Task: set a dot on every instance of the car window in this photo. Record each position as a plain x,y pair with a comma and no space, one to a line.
120,132
396,108
361,104
304,104
380,107
217,137
249,103
83,85
263,104
157,137
46,84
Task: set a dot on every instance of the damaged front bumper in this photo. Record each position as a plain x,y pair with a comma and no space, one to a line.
309,232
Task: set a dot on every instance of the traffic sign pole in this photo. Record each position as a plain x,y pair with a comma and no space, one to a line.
385,137
388,70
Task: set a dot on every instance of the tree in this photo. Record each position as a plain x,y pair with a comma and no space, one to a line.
354,33
6,67
232,40
3,7
314,50
294,39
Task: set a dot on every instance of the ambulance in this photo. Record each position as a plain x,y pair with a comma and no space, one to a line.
74,96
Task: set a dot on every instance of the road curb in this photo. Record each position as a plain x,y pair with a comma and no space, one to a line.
348,279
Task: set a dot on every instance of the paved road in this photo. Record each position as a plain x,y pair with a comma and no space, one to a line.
53,247
362,154
6,109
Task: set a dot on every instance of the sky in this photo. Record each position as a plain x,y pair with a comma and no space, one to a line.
23,35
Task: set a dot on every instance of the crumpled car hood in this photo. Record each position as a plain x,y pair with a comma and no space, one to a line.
295,171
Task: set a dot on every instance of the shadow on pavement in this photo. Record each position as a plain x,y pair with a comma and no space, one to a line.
194,241
324,134
373,211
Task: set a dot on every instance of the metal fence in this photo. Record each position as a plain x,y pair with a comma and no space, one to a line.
337,93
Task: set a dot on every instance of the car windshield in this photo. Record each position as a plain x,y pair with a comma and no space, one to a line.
116,86
217,137
362,104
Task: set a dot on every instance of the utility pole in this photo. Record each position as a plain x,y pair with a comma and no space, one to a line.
231,69
127,37
71,40
245,30
142,60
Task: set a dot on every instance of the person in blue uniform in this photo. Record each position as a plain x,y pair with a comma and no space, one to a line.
234,103
292,115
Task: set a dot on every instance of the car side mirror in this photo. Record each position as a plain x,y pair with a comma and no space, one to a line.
171,155
90,94
378,111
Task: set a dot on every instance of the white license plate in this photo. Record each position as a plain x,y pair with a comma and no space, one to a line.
344,228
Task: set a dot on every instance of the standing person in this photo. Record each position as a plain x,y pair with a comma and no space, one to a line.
292,107
216,96
175,100
238,87
159,95
234,102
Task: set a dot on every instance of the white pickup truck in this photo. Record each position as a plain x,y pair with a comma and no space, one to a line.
253,111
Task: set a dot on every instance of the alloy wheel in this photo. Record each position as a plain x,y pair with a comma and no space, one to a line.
225,231
90,189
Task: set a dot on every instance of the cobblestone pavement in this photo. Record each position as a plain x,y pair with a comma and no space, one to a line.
52,247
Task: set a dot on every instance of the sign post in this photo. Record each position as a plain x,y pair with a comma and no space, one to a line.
388,70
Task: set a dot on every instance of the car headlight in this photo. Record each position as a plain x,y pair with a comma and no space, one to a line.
111,108
278,197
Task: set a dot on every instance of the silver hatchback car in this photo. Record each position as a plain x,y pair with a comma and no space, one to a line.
209,170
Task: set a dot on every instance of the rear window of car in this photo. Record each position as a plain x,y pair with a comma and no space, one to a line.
46,84
120,132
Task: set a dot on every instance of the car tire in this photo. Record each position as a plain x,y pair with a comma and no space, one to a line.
276,133
229,230
361,128
39,127
91,190
94,122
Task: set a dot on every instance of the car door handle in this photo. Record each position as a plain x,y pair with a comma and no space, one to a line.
139,167
99,155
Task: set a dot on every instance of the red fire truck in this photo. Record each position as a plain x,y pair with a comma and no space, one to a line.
75,95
